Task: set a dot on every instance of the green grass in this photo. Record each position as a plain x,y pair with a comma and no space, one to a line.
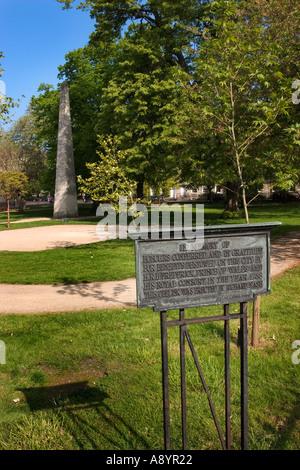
103,261
114,260
288,214
92,380
39,212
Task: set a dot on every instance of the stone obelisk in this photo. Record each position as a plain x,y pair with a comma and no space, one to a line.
65,199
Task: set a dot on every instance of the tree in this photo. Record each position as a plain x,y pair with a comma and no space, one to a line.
238,100
107,181
19,152
6,103
175,23
222,68
152,40
11,185
137,106
9,154
31,155
85,70
45,111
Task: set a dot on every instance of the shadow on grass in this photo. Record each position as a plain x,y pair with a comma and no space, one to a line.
286,432
98,291
90,421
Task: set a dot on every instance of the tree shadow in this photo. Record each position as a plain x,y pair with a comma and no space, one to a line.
287,430
98,291
82,406
39,398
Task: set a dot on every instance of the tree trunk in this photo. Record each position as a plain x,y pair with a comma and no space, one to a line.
8,215
21,204
232,196
209,196
140,189
245,206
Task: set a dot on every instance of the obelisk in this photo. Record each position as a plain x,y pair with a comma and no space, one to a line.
65,199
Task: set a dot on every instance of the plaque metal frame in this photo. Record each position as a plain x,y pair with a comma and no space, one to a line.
221,232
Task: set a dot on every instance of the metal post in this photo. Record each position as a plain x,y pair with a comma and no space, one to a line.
255,324
183,380
165,378
206,389
227,377
244,376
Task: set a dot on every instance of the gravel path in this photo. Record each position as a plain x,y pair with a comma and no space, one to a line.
285,253
47,237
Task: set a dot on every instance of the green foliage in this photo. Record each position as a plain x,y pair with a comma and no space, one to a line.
11,183
124,83
238,102
198,92
6,102
20,150
87,71
137,106
107,181
45,111
232,215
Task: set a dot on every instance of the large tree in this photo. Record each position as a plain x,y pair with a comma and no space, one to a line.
45,110
222,68
85,70
238,119
152,42
138,105
174,22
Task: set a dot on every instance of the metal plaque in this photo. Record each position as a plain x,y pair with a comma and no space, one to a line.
231,264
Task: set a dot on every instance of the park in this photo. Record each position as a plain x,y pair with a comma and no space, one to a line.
165,112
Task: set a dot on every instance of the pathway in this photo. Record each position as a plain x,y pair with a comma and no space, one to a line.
285,253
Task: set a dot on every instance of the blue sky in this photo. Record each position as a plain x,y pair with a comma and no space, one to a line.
35,36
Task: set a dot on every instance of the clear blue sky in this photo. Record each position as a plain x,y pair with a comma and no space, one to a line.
35,36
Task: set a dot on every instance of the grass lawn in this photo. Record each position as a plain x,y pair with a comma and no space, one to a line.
42,211
113,260
92,380
103,261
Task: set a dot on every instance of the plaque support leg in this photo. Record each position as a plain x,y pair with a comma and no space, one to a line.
182,329
227,377
184,335
165,378
244,376
206,389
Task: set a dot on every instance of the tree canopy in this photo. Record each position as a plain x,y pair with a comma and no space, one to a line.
12,183
239,104
196,91
107,181
19,151
6,102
